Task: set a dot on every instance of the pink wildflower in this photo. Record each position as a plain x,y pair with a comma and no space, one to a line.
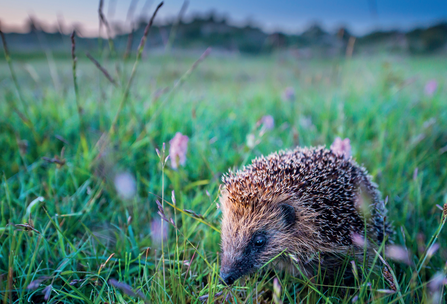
398,253
157,234
288,94
433,248
125,185
342,147
358,239
437,281
430,87
436,286
177,150
276,291
268,122
47,292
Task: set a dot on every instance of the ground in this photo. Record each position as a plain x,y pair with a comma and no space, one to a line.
78,217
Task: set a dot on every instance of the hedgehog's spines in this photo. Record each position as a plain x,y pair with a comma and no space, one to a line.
317,177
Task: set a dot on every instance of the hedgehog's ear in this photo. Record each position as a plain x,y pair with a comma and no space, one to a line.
288,214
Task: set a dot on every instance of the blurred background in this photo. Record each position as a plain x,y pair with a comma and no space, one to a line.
305,28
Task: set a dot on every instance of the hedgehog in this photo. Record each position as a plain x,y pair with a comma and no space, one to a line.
299,210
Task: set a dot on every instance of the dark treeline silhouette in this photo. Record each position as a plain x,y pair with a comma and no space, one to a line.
214,31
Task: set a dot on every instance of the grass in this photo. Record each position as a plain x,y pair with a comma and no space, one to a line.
66,235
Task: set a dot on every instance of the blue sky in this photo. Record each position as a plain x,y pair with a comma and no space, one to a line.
286,15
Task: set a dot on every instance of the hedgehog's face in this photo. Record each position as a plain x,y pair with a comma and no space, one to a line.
252,236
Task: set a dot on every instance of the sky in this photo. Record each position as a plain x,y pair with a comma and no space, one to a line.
291,16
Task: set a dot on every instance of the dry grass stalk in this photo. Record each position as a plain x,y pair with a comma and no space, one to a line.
129,44
27,227
128,290
387,275
134,69
173,32
389,278
193,67
103,70
205,297
444,212
54,160
75,80
25,115
103,20
194,214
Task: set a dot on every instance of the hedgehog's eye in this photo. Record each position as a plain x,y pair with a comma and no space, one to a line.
259,241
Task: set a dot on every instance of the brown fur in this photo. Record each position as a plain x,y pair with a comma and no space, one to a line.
332,198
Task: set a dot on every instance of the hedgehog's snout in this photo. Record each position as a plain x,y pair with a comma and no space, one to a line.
231,270
230,274
227,277
238,263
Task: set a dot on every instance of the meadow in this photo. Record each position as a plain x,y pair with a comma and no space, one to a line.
84,163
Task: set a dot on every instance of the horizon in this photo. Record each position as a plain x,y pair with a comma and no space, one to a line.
359,18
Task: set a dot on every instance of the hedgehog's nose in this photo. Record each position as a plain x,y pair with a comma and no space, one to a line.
227,278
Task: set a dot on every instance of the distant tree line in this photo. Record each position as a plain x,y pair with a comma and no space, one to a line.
214,31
